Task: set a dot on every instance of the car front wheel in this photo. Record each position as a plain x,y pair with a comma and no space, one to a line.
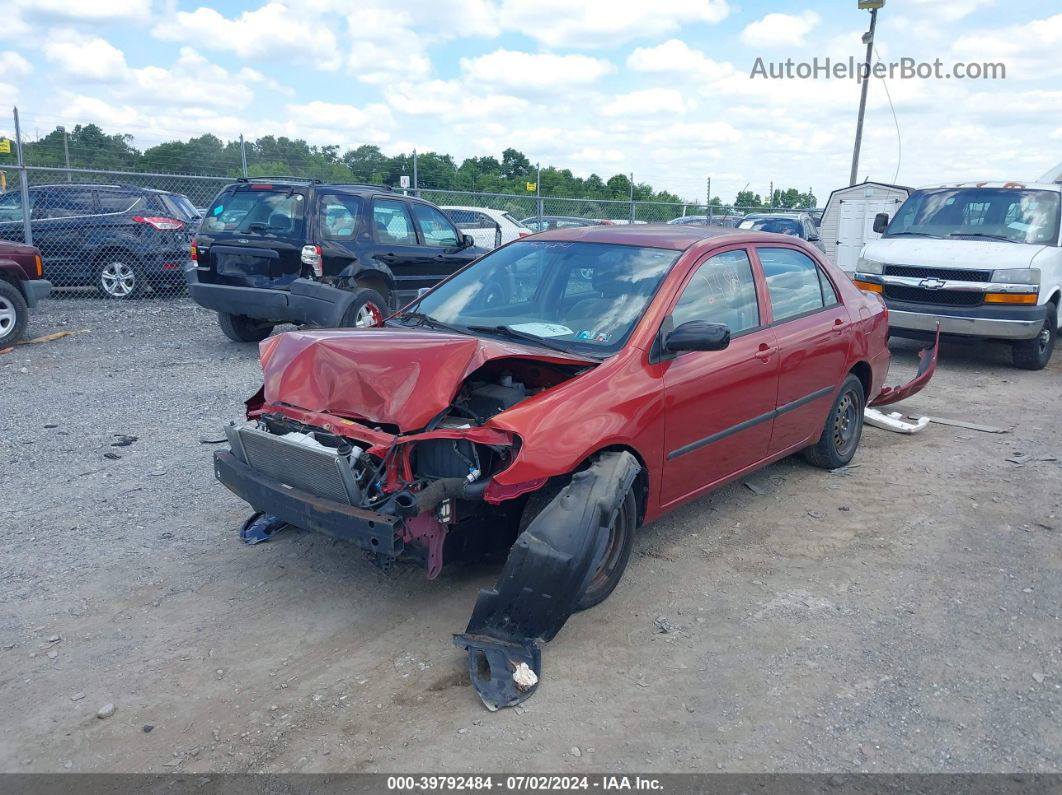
844,427
1034,354
13,314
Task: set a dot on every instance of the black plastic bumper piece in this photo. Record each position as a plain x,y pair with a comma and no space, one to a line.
373,532
305,302
548,570
35,290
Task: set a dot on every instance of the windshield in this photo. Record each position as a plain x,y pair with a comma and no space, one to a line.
780,226
583,297
267,212
1017,216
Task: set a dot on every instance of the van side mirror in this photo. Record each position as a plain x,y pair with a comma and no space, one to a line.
881,222
698,335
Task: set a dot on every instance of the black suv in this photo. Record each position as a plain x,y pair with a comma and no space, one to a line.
118,238
276,250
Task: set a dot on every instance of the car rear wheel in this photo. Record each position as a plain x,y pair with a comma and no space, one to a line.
240,328
368,309
844,427
120,278
1034,354
14,314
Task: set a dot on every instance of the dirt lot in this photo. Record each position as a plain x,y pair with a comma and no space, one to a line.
903,616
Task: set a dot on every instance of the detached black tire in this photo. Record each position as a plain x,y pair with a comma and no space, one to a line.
844,427
368,309
240,328
1034,354
14,314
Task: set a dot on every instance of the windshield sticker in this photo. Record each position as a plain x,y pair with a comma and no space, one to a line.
218,210
542,329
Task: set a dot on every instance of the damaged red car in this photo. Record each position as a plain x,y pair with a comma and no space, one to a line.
548,400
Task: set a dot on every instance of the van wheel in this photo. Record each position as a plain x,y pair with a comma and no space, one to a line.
120,277
1034,354
14,314
240,328
840,437
368,309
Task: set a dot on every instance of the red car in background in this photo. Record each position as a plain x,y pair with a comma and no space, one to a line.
550,398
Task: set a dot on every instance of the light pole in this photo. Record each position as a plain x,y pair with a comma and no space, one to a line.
66,152
868,38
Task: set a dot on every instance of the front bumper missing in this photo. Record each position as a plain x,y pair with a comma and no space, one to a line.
371,531
548,570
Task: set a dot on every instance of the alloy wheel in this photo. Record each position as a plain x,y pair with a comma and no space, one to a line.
7,317
368,315
118,279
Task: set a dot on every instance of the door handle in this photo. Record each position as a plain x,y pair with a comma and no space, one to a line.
764,352
838,326
387,256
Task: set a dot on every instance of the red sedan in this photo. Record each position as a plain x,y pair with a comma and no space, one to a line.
550,398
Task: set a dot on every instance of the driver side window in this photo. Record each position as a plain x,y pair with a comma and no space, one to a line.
436,227
721,290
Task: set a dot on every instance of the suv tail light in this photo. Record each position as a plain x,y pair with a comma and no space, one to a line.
159,222
311,255
195,252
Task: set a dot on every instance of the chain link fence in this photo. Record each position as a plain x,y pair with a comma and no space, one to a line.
126,234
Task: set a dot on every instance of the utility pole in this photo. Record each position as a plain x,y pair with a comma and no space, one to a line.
243,156
66,154
708,204
868,39
770,196
416,190
538,192
23,178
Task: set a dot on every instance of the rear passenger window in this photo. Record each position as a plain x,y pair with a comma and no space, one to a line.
339,216
65,203
794,282
721,290
116,202
393,224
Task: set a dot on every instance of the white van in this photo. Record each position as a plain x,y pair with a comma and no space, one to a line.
982,259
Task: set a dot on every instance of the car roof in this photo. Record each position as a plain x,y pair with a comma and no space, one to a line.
792,215
678,237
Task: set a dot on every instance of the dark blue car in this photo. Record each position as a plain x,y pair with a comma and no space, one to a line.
119,239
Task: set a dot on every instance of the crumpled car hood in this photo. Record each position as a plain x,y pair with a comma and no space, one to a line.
392,376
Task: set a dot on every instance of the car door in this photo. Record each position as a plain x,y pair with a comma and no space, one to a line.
395,245
443,252
336,229
719,405
814,335
65,220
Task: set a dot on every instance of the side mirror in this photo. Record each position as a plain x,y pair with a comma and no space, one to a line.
815,238
467,241
698,335
881,222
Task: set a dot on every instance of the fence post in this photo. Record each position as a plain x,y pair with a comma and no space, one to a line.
632,215
243,157
538,193
23,179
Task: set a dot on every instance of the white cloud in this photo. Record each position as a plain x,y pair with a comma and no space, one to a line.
605,23
86,10
347,125
677,57
943,10
648,102
1030,50
84,57
385,47
523,69
14,65
776,30
271,32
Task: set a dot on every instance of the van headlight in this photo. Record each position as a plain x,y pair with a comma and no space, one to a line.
1017,276
869,266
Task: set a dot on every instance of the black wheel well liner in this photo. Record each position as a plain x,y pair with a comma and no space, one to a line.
641,480
862,371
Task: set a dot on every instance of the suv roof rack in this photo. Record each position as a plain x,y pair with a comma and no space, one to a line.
281,178
367,185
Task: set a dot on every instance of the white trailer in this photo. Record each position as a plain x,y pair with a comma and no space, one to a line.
848,220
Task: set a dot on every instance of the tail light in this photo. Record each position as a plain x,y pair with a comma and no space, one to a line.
195,252
311,255
159,222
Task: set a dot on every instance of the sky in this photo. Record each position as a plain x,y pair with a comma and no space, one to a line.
659,88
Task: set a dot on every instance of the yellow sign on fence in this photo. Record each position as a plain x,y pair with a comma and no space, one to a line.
532,186
5,146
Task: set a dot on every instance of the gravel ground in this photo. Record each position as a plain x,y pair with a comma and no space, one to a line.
903,616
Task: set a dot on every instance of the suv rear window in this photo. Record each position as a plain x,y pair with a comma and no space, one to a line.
267,212
179,206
